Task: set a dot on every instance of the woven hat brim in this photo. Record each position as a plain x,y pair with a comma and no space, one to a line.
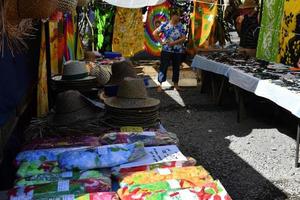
125,103
59,78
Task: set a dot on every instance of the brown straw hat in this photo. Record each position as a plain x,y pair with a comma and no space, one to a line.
67,6
248,4
71,107
131,94
82,3
120,70
35,9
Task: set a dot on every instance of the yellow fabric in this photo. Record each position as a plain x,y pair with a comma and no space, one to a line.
128,37
42,87
53,29
287,32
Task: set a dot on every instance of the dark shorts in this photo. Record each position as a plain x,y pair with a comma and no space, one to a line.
167,59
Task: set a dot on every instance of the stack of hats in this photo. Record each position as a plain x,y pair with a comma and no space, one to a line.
75,76
132,106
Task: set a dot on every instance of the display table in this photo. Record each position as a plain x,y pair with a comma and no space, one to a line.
261,88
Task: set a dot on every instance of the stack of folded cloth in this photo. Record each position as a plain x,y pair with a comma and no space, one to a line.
132,106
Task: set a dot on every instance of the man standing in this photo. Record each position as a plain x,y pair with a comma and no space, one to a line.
173,36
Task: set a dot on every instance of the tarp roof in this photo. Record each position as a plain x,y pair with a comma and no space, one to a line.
134,3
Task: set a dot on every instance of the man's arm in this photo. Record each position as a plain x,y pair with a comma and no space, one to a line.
156,33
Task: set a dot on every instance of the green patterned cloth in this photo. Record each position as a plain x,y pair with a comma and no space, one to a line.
268,42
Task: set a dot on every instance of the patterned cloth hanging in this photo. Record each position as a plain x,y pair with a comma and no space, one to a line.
128,37
289,39
156,15
202,21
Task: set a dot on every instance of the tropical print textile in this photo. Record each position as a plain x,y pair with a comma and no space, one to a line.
289,42
163,174
147,137
59,188
268,41
128,37
104,175
101,157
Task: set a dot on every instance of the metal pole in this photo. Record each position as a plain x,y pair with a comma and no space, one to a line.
297,144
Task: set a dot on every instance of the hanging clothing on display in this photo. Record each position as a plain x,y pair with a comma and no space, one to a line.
155,17
202,22
104,28
128,37
54,45
69,31
42,87
289,39
268,41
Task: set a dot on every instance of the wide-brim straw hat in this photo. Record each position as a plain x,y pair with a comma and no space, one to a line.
72,107
120,70
35,9
248,4
132,94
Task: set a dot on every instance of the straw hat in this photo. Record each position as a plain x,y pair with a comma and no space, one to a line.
74,71
66,6
120,70
248,4
82,3
71,107
131,94
36,9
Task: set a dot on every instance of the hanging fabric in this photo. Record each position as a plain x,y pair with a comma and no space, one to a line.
268,41
202,21
156,15
289,39
42,87
134,3
128,37
69,36
53,30
104,28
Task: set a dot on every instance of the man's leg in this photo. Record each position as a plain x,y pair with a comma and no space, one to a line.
165,61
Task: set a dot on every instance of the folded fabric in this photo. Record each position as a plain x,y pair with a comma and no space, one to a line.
59,188
163,174
42,154
210,191
145,190
103,175
149,138
122,172
67,141
101,157
27,169
89,196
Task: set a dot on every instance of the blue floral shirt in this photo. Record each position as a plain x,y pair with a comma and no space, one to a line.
172,33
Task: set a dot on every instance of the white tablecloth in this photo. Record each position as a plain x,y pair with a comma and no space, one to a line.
283,97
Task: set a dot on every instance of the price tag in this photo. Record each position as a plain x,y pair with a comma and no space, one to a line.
134,129
164,171
66,174
63,186
174,184
148,133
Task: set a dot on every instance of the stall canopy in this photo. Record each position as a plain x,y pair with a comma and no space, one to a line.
134,3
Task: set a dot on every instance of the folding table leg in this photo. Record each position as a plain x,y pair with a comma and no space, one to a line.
297,144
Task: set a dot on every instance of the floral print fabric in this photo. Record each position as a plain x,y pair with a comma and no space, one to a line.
128,36
164,174
65,187
101,157
172,33
104,175
148,138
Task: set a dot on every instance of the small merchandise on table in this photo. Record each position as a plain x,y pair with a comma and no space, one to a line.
149,138
38,179
59,188
163,174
